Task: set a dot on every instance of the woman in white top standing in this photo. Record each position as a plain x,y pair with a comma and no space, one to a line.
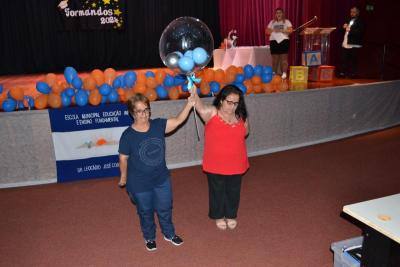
278,30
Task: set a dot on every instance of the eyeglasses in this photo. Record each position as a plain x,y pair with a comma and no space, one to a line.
143,112
231,103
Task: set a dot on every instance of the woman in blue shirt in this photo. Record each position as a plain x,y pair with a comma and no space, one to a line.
144,170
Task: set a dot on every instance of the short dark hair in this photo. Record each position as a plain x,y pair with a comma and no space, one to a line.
241,110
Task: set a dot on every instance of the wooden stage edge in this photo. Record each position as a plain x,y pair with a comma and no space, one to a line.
28,82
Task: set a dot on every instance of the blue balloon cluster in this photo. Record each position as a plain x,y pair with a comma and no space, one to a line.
186,45
265,72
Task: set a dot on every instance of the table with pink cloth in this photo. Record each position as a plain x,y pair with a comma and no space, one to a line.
241,56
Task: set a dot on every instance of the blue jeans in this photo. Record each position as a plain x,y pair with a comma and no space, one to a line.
158,200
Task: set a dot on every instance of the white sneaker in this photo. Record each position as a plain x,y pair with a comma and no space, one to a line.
284,76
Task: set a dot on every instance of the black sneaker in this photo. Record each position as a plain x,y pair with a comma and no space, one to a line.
176,240
151,245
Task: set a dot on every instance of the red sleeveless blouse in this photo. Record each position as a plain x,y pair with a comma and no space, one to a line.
225,149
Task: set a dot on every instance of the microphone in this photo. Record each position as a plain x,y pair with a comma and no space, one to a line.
315,17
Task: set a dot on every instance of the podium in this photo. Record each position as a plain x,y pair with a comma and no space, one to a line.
317,40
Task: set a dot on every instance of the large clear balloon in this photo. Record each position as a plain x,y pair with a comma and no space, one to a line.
186,45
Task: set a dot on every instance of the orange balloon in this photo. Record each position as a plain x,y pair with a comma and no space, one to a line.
54,100
208,75
249,86
204,88
98,76
121,94
151,94
109,75
57,87
240,70
3,97
257,88
64,85
50,79
89,83
230,77
41,102
173,93
232,69
276,79
151,82
268,88
94,98
256,80
129,93
160,75
139,88
284,86
17,93
219,76
141,78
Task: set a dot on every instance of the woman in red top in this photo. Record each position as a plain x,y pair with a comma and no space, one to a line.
225,154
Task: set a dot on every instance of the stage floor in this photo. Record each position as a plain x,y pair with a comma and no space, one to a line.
28,82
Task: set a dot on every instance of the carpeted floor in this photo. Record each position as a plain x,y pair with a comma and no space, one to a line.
290,212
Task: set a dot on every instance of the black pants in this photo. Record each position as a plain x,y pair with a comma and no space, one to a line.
349,61
224,195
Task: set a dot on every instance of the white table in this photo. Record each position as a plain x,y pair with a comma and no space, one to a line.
242,55
381,216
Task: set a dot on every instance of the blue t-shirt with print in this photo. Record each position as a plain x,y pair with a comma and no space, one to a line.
146,150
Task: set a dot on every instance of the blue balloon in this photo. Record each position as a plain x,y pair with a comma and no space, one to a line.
43,87
65,100
239,78
241,87
214,87
168,81
248,71
20,104
69,74
103,99
188,53
186,64
9,105
149,73
267,69
1,88
30,101
179,80
77,82
185,87
161,92
117,83
105,89
113,96
121,80
81,98
200,56
130,78
70,92
258,70
266,77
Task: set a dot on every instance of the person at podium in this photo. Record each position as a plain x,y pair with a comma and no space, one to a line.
352,42
278,30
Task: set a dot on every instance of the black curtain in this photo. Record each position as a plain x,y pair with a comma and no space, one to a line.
33,38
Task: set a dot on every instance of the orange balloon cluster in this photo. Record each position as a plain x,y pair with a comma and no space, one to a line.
146,83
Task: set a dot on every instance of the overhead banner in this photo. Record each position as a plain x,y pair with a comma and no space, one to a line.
92,14
86,140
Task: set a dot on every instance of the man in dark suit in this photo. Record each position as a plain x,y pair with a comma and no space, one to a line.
352,42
